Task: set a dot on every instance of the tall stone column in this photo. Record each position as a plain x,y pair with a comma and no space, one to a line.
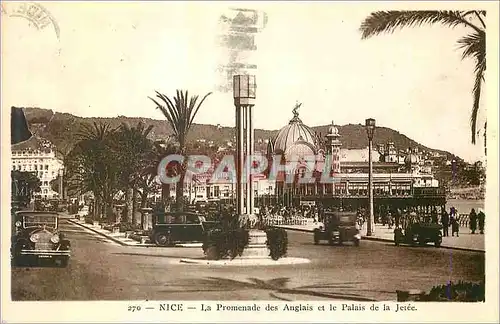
249,152
239,159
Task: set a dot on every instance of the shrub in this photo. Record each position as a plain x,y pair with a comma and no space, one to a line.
126,227
221,243
277,242
459,292
89,220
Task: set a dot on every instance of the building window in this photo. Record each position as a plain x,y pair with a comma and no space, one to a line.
216,191
36,167
46,166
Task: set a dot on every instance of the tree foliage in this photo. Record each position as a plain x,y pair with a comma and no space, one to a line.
473,44
24,185
180,112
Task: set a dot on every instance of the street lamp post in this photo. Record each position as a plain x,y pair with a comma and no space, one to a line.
370,130
244,100
61,183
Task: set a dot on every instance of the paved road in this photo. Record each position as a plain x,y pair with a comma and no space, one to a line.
102,270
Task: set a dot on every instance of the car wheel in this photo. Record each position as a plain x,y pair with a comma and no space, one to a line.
356,242
437,244
18,261
212,253
163,239
62,262
316,239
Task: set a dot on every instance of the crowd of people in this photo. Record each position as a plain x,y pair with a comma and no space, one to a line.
447,220
392,218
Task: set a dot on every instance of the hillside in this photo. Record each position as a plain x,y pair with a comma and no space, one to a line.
61,129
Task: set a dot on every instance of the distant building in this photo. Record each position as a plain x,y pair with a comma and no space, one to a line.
399,176
38,156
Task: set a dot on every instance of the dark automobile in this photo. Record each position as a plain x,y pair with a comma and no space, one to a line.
339,227
36,236
414,229
179,227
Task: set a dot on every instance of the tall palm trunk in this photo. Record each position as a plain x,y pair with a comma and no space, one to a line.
144,201
179,193
179,188
128,204
108,209
135,217
97,208
165,193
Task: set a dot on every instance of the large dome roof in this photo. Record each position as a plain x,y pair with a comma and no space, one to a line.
293,132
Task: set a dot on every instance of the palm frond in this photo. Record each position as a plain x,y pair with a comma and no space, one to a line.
476,92
479,14
474,45
388,21
198,107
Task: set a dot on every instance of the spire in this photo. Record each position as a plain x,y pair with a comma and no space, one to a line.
295,111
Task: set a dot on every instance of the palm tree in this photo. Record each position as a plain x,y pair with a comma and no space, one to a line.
132,147
157,154
180,113
473,44
91,166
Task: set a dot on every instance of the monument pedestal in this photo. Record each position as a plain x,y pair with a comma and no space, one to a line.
256,247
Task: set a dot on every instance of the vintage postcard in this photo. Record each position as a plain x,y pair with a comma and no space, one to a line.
249,162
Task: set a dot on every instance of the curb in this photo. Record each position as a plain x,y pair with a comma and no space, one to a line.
378,239
97,232
114,239
244,262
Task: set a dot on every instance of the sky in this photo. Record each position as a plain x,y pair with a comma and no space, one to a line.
110,57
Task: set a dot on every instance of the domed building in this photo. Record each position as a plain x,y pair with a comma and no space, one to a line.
346,184
294,141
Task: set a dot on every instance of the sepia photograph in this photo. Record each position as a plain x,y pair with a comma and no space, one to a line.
290,153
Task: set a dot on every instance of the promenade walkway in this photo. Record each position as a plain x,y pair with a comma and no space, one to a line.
465,240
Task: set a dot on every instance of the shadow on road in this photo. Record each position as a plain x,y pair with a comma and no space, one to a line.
414,246
149,255
334,291
35,264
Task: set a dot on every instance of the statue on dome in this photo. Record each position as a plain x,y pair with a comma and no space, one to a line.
296,109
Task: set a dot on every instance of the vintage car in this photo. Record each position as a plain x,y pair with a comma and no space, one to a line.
415,229
36,236
338,227
179,227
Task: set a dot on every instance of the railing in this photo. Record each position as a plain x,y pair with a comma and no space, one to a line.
426,191
274,220
463,220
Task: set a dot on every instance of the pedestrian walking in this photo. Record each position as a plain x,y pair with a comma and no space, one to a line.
473,221
480,218
434,215
455,227
397,217
445,221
